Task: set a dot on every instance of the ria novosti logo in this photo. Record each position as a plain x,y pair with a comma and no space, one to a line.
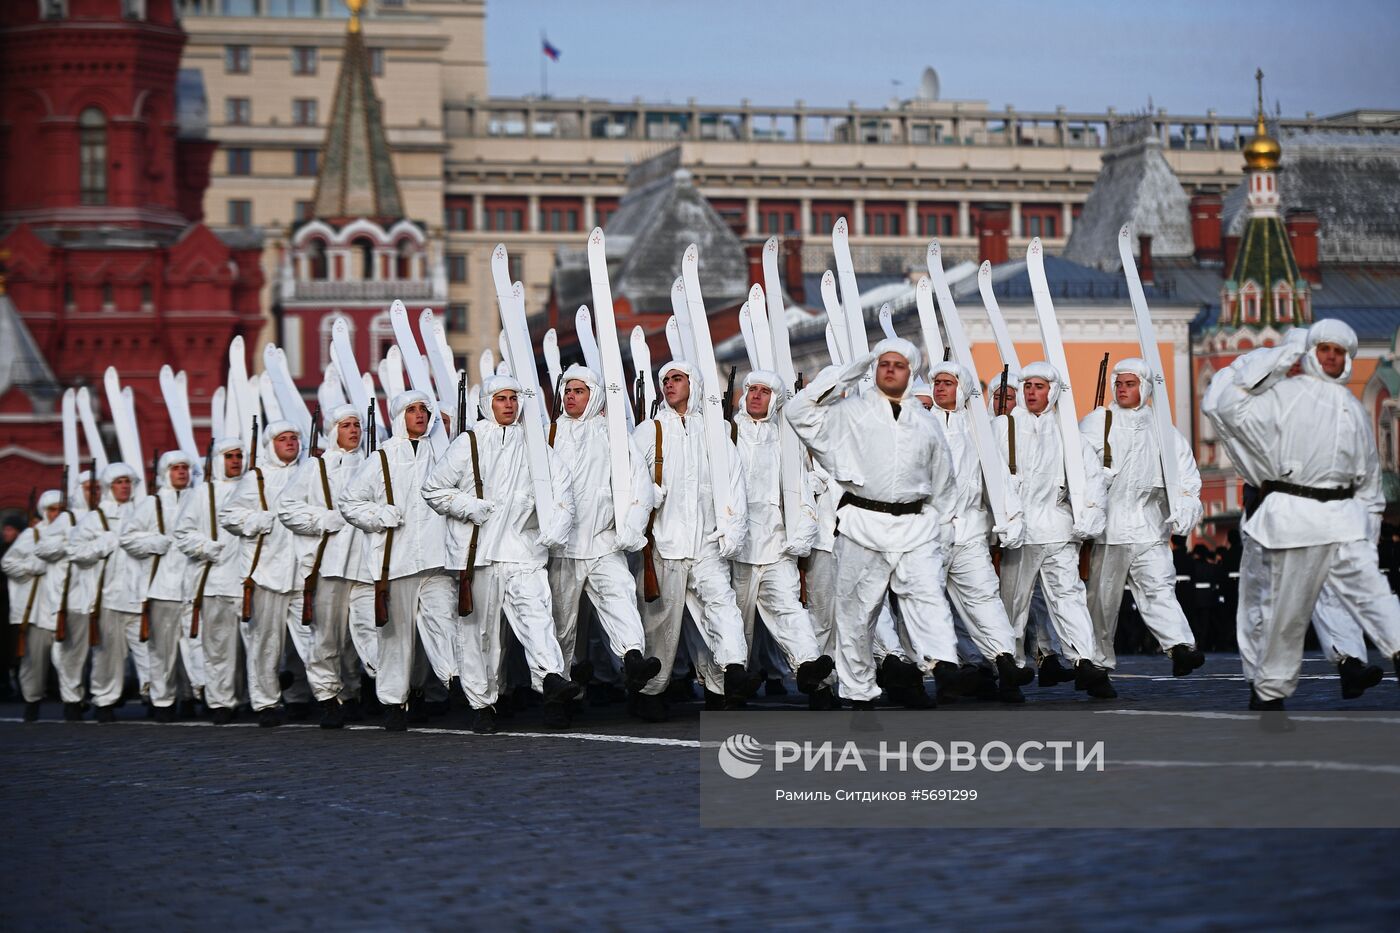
740,756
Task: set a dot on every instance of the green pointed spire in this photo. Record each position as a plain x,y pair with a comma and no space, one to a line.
357,170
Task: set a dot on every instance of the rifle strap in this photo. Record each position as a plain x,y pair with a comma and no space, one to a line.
476,485
553,427
33,588
389,498
262,500
102,574
1107,449
325,536
160,527
1011,442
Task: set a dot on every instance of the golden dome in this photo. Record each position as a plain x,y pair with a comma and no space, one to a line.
1261,154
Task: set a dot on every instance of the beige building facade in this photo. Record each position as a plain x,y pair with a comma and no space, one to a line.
539,173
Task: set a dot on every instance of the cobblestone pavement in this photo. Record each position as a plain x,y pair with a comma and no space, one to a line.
140,826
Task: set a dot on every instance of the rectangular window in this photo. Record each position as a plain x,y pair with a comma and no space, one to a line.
1042,220
459,318
240,213
456,267
376,62
604,208
884,219
307,162
517,267
304,111
238,111
236,59
304,60
457,214
240,161
302,211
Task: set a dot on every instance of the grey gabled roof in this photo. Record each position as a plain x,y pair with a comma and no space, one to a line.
1135,186
1351,182
22,365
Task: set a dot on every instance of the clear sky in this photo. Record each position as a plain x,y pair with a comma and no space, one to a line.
1186,55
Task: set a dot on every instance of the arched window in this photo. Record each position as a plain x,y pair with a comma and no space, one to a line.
1283,302
403,259
1249,302
381,337
365,247
92,156
316,259
327,329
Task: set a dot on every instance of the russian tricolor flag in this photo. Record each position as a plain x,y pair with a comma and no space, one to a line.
550,51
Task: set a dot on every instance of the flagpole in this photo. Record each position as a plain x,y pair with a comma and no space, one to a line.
544,65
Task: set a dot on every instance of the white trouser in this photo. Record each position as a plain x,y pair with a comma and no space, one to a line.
330,667
1338,633
70,657
163,650
522,592
612,591
34,666
821,602
974,591
773,590
886,637
363,632
264,640
422,605
191,651
136,650
109,655
719,622
1039,630
222,644
1293,578
1150,573
916,580
1057,567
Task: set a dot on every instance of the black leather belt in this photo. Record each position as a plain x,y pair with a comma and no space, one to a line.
1317,493
889,508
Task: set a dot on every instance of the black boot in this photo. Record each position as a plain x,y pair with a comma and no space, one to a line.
1185,659
1274,718
395,718
821,700
222,716
31,710
639,670
558,689
810,674
1052,672
105,714
72,712
269,718
1008,680
1258,704
714,702
484,721
581,673
417,714
189,709
1357,677
555,715
332,715
1102,689
298,712
350,710
650,707
165,714
369,699
1088,674
948,679
895,671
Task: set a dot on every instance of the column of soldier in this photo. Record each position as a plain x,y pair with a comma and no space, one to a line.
285,576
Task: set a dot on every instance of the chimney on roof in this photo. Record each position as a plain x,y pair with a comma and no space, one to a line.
753,252
1232,248
1145,258
994,233
1302,235
791,246
1206,229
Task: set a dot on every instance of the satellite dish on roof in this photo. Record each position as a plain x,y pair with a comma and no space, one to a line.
928,85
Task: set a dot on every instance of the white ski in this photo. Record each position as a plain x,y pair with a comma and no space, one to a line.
503,367
510,299
179,410
1005,347
988,453
836,315
758,325
614,379
681,310
791,469
641,366
289,400
70,445
439,356
850,292
91,436
673,339
553,365
587,341
1152,356
391,375
887,321
242,395
124,420
716,433
928,322
833,347
487,364
1067,413
746,332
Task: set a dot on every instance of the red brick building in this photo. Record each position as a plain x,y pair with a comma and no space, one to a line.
103,165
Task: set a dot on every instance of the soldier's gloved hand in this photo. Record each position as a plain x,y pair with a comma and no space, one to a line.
51,548
108,542
479,513
1090,524
1182,519
797,549
331,521
552,539
631,541
1012,534
160,545
259,523
390,516
658,495
858,367
213,549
